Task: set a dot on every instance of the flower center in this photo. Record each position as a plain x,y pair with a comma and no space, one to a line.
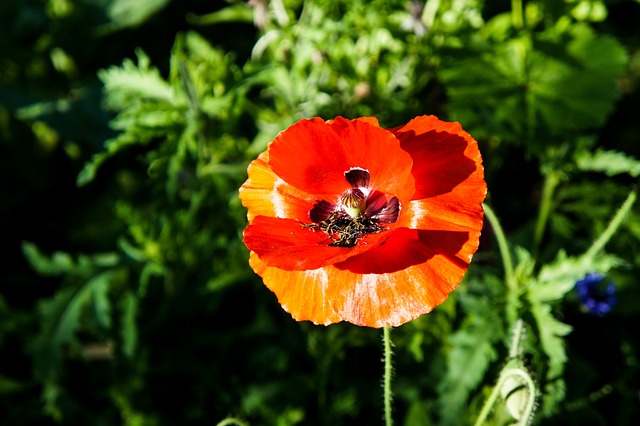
359,211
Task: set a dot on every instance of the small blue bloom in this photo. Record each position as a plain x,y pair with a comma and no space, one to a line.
596,294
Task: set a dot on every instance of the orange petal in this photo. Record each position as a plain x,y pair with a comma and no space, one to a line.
313,156
301,293
329,295
265,194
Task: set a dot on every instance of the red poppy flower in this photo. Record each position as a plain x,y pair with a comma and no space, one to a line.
352,222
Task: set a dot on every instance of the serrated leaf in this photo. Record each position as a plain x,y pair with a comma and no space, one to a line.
240,12
609,162
61,319
59,263
551,333
556,279
62,263
135,82
100,304
130,13
471,354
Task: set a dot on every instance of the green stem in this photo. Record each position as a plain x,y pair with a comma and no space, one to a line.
551,181
503,246
517,14
489,403
512,372
613,226
232,421
516,341
429,13
386,340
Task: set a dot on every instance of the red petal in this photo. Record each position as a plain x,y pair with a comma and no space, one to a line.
445,157
285,244
388,278
313,156
408,247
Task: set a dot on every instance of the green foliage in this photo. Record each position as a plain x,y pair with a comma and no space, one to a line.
609,162
535,89
125,131
473,349
82,305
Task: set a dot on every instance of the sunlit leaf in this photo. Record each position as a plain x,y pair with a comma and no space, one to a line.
130,13
609,162
520,89
558,278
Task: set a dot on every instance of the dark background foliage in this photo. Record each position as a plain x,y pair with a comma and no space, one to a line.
125,131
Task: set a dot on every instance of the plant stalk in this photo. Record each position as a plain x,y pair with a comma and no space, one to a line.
505,254
386,340
613,226
517,13
550,183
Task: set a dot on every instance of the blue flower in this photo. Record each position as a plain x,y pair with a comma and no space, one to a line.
596,294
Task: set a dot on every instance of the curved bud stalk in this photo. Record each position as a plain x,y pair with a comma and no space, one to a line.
515,385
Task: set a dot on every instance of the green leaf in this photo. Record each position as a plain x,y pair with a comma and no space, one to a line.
556,279
240,12
472,351
132,83
129,330
59,263
609,162
551,333
130,13
417,415
99,301
536,90
61,319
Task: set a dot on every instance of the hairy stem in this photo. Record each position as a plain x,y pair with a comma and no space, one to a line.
551,181
517,14
503,246
613,226
386,340
512,374
232,421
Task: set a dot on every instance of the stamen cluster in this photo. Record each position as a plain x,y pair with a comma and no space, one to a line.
360,211
344,230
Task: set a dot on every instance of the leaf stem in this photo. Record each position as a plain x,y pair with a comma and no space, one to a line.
517,14
512,372
503,246
489,403
232,421
551,181
386,340
613,226
515,350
